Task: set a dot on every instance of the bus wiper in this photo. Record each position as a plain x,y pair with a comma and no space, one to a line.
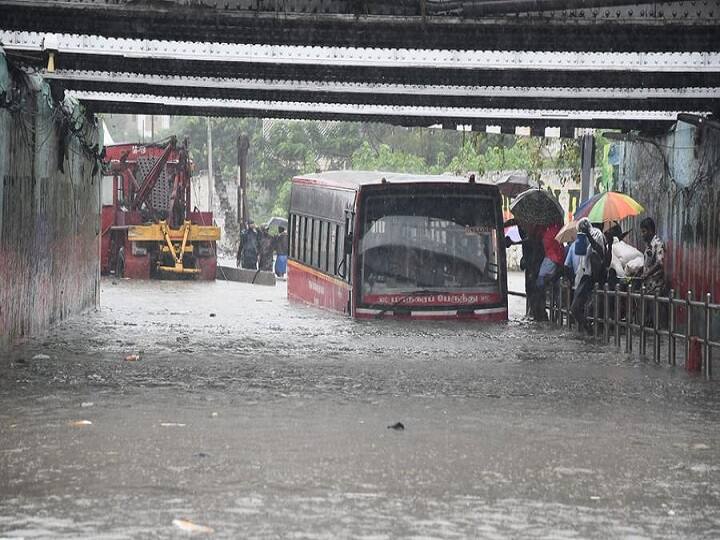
418,292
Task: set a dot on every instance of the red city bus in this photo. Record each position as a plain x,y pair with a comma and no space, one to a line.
374,244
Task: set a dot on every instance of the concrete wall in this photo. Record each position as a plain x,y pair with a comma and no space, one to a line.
49,207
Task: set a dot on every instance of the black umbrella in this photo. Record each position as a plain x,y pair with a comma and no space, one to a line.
514,184
537,207
277,222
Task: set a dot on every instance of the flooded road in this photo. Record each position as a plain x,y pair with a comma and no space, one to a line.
260,418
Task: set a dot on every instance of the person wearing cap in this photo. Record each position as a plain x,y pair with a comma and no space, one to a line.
249,247
589,270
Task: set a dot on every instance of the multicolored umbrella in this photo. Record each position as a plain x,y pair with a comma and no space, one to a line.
537,207
608,206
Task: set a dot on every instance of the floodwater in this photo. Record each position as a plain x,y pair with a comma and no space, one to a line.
264,419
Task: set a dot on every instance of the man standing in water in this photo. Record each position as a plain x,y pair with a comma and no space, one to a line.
281,250
248,248
265,261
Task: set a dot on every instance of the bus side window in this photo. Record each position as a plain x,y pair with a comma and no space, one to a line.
318,243
321,246
326,261
313,241
304,233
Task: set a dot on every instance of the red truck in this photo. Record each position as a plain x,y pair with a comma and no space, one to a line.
149,227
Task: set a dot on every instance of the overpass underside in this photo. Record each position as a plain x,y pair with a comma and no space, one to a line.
507,63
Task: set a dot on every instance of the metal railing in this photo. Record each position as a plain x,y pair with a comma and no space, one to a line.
624,315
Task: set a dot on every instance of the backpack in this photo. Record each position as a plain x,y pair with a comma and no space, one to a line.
581,245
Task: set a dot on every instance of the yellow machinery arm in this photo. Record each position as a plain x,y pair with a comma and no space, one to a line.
177,242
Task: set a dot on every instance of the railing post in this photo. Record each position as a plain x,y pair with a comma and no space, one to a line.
560,304
656,327
628,322
642,321
688,327
617,315
596,310
606,315
567,313
671,329
708,354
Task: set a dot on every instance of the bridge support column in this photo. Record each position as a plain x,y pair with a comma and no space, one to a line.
49,207
587,164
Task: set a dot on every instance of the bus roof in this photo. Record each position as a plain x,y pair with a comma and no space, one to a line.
356,179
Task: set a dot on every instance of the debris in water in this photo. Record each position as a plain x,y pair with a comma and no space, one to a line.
41,357
700,446
214,414
212,314
87,404
671,512
81,423
594,498
171,424
188,526
132,358
202,455
398,426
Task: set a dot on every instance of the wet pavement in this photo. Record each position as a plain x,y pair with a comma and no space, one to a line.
264,419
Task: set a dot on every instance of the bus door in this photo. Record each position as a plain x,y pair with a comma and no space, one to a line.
346,263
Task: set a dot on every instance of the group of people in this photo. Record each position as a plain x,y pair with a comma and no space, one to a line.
257,247
595,257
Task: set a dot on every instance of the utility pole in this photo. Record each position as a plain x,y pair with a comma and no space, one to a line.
587,165
211,177
243,145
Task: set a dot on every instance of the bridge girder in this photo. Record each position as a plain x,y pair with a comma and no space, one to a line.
581,25
573,66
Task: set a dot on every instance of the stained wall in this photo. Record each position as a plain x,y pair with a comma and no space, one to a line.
49,206
677,179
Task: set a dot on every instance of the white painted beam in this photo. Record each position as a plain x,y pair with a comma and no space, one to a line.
221,83
482,114
363,56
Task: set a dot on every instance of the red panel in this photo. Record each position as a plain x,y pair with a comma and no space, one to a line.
492,317
136,267
441,299
208,267
313,287
128,218
107,218
201,218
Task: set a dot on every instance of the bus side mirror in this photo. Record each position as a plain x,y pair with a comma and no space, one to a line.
348,243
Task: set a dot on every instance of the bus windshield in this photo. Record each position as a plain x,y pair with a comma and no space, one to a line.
447,243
